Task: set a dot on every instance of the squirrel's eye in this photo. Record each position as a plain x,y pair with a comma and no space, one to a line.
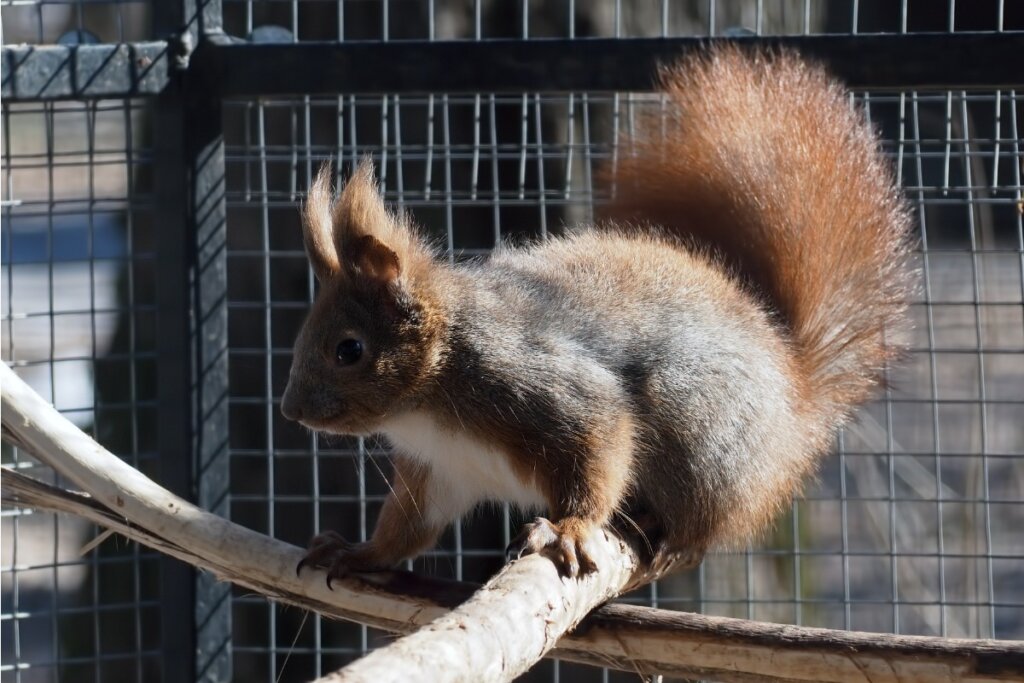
349,351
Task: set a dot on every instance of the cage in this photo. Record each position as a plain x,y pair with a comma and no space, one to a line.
154,279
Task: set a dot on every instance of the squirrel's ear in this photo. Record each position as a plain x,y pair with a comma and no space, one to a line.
360,210
317,226
374,259
370,240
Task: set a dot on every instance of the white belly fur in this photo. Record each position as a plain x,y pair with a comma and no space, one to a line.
465,470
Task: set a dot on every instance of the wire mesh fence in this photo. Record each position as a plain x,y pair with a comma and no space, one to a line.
111,21
533,19
912,525
79,325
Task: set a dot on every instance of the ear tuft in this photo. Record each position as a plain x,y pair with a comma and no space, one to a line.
375,259
317,225
370,241
360,210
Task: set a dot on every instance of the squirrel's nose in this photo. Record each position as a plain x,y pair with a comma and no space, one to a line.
290,406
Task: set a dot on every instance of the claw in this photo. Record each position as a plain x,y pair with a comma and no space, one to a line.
563,542
339,557
323,551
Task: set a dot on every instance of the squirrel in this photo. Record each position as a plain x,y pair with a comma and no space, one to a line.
680,366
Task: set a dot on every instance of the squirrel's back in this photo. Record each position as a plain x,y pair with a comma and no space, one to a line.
762,160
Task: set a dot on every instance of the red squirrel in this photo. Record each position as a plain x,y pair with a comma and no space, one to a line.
682,365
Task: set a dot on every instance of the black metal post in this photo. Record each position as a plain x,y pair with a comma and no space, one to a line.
192,347
207,229
174,360
879,62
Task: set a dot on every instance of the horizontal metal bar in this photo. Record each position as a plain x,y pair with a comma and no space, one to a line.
56,72
880,61
234,68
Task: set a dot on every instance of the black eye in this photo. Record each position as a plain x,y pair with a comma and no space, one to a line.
349,351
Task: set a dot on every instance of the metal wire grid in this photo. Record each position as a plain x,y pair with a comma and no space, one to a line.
913,527
484,19
78,324
119,21
74,21
938,461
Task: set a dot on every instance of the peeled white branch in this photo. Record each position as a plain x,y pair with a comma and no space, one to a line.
502,629
506,627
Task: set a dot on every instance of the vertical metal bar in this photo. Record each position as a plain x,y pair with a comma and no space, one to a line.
54,602
207,223
495,184
261,146
90,137
570,141
588,162
997,124
986,629
293,167
932,364
949,143
474,174
396,122
202,127
523,144
208,236
542,207
798,600
185,142
129,229
174,429
191,370
428,175
382,163
845,532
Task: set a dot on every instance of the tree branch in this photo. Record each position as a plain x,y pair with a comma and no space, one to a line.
506,626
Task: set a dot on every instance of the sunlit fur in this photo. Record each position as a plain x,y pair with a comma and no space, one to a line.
684,363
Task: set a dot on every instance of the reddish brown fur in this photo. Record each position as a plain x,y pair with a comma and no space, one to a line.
832,264
402,529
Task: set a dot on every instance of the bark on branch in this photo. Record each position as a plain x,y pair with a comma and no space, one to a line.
502,629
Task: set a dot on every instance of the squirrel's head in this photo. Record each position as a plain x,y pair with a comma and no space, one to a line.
375,331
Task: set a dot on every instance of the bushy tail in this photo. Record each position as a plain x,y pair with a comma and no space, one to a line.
762,159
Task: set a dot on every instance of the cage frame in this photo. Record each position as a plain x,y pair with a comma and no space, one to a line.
194,66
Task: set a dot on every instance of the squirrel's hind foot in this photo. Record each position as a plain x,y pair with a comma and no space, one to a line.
564,543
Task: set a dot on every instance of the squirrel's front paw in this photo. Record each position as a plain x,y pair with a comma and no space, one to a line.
563,542
339,557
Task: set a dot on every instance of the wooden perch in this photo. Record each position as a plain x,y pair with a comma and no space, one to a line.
500,630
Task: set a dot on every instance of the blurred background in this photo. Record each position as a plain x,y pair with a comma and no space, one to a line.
912,526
